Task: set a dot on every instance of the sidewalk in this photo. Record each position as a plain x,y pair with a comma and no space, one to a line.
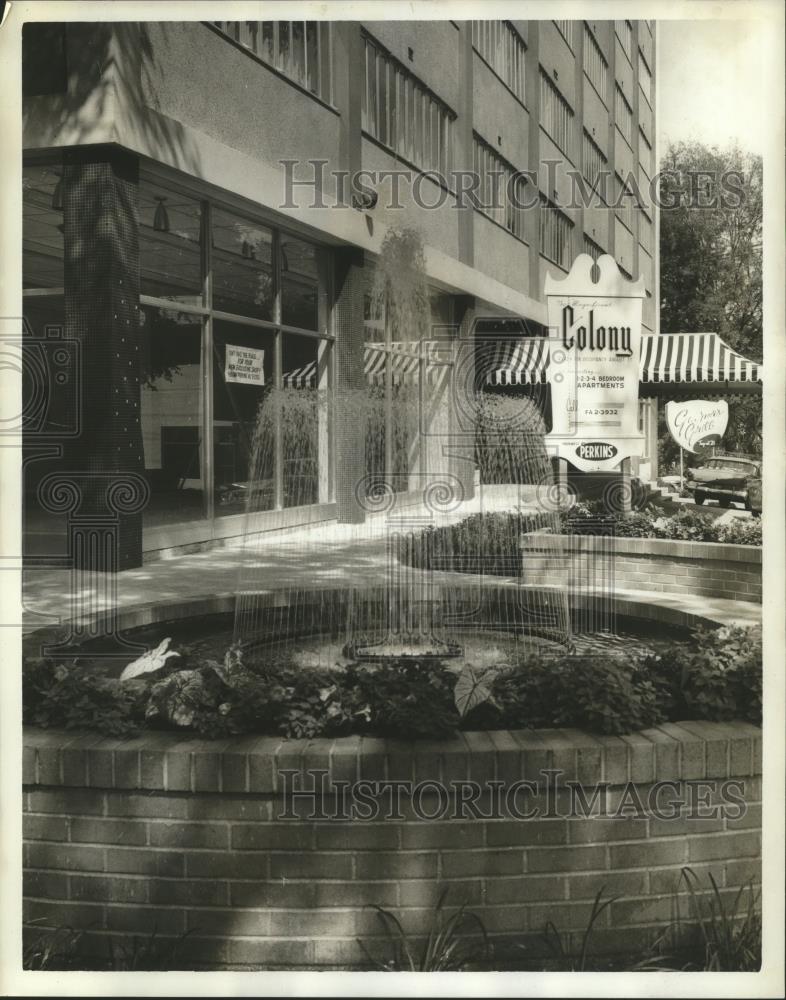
315,557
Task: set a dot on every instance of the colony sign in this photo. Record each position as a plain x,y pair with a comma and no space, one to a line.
594,351
697,424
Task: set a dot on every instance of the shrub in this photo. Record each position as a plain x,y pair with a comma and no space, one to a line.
607,695
717,676
687,525
75,697
722,675
740,532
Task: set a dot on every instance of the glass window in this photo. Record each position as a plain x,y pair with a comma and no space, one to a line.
170,265
595,65
301,416
49,413
501,46
301,50
556,116
242,267
171,414
299,284
42,196
244,428
395,106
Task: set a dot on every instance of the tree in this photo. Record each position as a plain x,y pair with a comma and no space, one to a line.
711,257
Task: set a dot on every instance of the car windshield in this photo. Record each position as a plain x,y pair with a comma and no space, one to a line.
731,465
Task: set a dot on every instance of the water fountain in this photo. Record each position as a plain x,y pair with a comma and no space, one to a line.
389,588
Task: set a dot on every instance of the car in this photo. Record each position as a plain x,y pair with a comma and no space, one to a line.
727,479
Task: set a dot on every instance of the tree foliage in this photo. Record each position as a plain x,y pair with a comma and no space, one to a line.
711,262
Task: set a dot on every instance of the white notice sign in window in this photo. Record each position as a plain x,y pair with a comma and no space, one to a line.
244,364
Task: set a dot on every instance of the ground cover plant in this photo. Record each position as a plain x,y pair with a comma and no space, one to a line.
714,676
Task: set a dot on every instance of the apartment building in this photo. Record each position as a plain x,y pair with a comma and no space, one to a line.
195,236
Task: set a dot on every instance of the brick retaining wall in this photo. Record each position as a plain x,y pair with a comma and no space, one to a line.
706,569
124,836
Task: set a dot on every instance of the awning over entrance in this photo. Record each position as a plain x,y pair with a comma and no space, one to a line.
702,359
693,357
519,362
405,361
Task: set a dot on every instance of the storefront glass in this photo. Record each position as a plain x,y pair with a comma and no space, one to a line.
171,405
243,452
170,264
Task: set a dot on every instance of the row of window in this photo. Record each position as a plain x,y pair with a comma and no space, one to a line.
556,115
593,162
623,114
501,46
555,230
500,193
645,78
595,65
566,29
398,111
624,30
301,50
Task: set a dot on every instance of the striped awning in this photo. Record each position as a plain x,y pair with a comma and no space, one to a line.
693,357
515,362
405,366
666,358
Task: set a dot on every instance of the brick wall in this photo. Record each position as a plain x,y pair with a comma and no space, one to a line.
706,569
122,837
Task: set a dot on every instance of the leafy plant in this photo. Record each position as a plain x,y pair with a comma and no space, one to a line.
740,532
73,696
447,948
149,953
560,944
56,950
721,674
721,936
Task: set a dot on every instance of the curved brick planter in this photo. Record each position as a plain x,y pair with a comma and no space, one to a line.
706,569
178,834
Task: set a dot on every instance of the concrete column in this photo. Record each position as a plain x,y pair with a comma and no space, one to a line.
100,210
464,148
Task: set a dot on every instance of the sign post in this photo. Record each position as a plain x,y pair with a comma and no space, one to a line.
594,350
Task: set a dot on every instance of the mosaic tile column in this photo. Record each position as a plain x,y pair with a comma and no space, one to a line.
100,201
350,386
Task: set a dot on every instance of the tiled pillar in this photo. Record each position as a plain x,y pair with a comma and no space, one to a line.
350,384
100,201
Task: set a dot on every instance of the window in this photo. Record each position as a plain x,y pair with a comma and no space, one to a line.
623,115
556,115
593,163
565,28
645,154
595,65
624,203
645,78
592,248
555,229
624,30
500,193
402,114
501,46
301,50
645,231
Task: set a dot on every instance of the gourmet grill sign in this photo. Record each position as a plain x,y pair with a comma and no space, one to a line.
594,350
697,424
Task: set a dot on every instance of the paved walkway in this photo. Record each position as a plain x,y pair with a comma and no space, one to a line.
315,557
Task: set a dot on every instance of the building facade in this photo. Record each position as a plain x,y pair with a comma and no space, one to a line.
204,204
